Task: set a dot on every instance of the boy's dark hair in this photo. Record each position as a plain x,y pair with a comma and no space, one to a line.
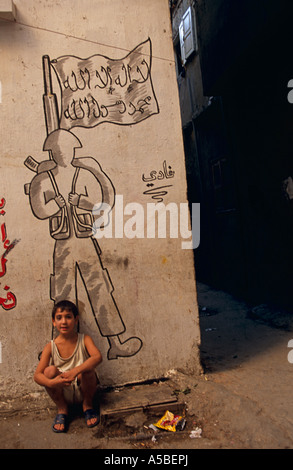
65,305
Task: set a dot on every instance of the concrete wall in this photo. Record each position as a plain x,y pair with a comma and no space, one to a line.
126,118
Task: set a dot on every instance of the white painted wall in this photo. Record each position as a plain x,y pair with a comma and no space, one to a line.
153,279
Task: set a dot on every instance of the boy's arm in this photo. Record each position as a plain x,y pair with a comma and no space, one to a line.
95,355
39,375
44,362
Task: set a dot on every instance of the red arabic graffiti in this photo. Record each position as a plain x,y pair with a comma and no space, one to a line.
9,301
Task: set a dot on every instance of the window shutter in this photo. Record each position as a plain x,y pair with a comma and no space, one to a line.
186,35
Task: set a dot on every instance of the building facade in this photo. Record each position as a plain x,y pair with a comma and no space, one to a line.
234,79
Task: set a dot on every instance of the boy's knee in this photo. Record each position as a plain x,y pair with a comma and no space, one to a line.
51,371
87,377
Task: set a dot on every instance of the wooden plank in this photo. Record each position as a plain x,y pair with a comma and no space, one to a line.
154,411
133,398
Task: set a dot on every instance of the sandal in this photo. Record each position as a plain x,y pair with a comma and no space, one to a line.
91,414
60,418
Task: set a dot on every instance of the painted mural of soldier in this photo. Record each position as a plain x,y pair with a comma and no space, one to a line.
65,190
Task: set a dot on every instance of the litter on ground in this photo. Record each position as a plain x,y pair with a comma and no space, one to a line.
169,421
196,433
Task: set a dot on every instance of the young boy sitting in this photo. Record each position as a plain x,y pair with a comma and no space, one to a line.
67,367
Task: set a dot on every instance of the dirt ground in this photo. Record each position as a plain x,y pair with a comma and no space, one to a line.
242,400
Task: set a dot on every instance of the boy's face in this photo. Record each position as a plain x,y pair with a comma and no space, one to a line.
64,321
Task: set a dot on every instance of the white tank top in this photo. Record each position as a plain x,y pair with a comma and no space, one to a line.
77,358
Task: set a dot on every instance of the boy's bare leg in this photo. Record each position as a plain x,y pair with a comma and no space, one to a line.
88,388
56,395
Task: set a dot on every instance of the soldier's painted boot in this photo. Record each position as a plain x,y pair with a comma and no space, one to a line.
127,348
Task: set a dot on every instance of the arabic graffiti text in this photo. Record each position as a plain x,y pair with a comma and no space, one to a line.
8,301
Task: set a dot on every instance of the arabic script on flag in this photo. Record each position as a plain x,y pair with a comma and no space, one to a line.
99,89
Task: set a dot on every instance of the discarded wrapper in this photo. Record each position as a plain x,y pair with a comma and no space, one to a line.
153,427
181,424
168,422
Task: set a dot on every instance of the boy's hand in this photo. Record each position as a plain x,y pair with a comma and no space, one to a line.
69,375
59,381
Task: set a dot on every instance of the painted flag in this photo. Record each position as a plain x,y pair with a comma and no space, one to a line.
100,89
